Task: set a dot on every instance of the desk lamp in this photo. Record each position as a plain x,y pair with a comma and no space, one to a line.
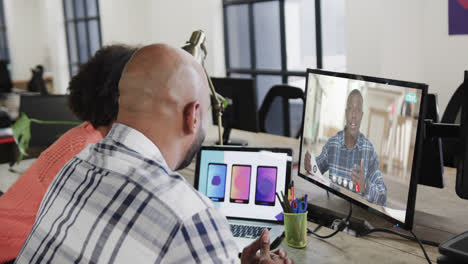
196,46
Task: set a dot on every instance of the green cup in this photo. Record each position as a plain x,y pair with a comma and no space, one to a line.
295,229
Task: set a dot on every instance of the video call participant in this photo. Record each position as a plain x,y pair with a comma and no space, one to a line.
94,99
350,155
120,200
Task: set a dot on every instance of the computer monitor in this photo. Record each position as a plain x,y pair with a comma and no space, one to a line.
452,115
362,140
432,173
461,186
242,110
456,146
453,129
48,108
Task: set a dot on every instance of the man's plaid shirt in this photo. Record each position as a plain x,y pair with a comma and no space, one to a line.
118,202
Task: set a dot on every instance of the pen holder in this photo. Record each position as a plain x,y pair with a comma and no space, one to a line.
295,229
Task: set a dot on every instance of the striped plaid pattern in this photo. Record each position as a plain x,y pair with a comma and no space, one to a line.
118,202
339,161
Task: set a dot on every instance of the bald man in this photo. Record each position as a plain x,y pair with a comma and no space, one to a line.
121,200
350,157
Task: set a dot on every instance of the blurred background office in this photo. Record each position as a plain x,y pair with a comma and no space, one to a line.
272,42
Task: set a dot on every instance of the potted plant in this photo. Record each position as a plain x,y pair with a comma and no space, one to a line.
22,132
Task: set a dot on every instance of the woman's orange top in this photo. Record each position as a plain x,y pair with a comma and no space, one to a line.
19,205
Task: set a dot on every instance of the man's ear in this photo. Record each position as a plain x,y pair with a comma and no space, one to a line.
192,117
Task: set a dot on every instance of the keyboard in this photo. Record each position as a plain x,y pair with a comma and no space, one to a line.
246,231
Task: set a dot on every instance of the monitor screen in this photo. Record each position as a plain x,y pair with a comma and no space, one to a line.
242,181
362,140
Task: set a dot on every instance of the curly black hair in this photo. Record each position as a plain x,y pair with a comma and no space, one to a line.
94,91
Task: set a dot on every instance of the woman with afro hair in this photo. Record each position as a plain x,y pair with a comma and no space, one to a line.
93,98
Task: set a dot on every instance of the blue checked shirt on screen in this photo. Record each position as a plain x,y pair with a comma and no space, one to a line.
118,202
339,160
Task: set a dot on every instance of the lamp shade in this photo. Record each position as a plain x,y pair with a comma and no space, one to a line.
196,46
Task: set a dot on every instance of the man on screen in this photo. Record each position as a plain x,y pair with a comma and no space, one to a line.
352,157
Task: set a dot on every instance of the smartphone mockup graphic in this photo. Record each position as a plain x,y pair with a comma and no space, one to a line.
240,183
216,183
266,185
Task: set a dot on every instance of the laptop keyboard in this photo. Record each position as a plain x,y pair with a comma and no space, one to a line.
247,231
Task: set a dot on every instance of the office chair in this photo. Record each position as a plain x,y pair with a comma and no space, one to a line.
278,103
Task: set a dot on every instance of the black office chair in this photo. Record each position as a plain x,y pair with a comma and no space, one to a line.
279,115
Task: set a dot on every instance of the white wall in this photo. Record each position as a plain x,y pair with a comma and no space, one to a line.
125,21
171,22
36,35
25,40
397,39
406,40
55,51
445,57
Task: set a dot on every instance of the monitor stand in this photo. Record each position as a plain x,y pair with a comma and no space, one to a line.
234,141
325,217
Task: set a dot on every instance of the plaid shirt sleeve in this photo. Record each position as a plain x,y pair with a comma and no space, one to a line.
205,237
322,159
376,189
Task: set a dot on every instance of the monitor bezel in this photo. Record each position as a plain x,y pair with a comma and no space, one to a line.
417,158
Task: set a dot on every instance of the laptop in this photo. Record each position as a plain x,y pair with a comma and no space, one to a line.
242,182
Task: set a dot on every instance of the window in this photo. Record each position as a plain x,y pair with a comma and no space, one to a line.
83,30
274,41
4,52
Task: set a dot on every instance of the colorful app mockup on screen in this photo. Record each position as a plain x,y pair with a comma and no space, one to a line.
216,182
240,183
266,185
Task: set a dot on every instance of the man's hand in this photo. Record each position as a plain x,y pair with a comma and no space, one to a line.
307,163
357,176
249,254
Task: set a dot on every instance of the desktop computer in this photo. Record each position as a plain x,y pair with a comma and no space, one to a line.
365,138
362,140
241,112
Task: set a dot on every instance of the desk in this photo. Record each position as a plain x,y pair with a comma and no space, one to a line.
439,215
